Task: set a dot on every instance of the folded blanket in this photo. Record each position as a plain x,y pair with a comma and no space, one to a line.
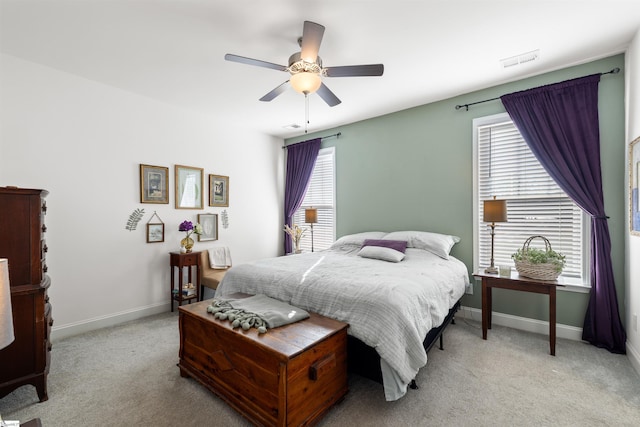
220,257
258,311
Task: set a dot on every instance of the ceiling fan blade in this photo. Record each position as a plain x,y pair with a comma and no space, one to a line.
355,70
311,38
328,96
256,62
275,92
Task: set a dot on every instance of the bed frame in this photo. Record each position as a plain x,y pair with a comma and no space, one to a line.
365,361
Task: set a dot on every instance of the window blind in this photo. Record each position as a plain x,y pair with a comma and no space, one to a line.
320,195
507,169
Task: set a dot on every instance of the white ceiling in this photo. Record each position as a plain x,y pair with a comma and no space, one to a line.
173,50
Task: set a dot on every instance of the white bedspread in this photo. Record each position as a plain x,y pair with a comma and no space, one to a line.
388,306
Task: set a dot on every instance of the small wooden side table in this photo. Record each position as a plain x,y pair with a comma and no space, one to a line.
518,283
181,260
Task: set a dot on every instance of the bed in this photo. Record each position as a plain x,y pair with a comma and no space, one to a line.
391,298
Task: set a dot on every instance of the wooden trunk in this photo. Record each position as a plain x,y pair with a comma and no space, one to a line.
290,376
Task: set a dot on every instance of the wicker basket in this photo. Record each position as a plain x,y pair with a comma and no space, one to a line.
540,271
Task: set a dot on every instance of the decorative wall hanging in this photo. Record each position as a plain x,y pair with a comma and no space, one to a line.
134,219
218,190
154,182
155,230
189,182
634,186
209,223
225,219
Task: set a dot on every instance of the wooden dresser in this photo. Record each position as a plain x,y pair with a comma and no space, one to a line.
22,242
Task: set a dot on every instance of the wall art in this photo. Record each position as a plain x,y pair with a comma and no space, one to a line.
209,223
634,185
218,190
189,181
154,182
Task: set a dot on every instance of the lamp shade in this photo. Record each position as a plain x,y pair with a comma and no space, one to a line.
311,215
495,210
6,315
306,82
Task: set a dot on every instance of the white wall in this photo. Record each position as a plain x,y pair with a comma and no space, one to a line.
83,142
632,283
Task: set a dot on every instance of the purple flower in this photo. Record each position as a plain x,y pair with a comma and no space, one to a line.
185,226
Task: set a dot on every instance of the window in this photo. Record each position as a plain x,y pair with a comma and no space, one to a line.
506,168
320,195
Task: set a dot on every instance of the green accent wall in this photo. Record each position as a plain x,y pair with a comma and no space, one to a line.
413,170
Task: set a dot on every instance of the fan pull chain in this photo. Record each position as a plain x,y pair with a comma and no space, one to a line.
306,112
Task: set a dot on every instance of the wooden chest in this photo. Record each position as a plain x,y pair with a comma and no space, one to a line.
290,376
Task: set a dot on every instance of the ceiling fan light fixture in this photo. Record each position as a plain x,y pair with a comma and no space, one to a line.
306,82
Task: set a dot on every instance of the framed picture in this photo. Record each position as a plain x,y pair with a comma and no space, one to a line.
155,233
218,190
209,223
154,181
634,185
189,181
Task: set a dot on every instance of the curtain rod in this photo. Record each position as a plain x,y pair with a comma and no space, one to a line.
335,135
466,106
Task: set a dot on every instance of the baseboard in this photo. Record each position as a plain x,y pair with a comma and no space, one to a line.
64,331
522,323
634,357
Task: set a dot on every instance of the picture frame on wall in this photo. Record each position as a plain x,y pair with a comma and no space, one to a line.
634,186
155,232
154,183
209,223
218,190
189,182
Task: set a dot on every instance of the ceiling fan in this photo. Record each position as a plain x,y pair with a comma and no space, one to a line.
306,67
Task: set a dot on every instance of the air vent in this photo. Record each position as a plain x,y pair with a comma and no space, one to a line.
520,59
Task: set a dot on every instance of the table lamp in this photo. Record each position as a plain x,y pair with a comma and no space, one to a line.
311,217
6,316
494,211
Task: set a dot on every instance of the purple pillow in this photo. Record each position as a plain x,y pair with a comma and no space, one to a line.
398,245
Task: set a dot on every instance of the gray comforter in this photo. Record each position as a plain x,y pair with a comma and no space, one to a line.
388,306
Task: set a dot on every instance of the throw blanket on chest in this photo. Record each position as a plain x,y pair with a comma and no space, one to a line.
258,311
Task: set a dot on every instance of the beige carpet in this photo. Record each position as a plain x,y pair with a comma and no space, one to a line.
127,376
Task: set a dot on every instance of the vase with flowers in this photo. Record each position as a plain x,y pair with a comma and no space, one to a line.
189,228
296,234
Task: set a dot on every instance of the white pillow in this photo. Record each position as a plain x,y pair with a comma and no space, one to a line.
381,253
357,239
438,244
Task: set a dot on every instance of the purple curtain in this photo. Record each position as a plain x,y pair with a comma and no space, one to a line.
560,124
301,158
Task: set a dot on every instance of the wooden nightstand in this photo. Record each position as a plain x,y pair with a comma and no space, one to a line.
517,283
180,260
